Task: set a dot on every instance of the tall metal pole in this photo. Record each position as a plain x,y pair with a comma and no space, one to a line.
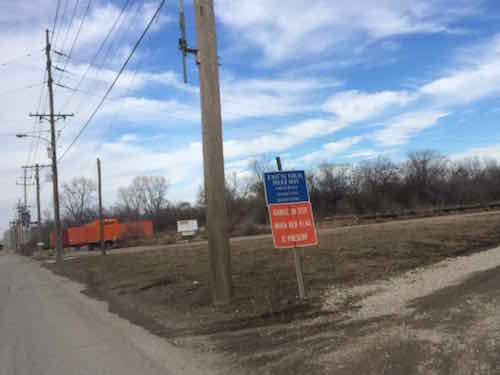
213,157
57,233
101,218
38,213
297,256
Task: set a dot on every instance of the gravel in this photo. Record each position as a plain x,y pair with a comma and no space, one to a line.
391,297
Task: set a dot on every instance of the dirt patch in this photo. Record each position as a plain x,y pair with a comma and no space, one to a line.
266,327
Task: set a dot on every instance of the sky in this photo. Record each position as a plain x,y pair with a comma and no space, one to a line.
313,81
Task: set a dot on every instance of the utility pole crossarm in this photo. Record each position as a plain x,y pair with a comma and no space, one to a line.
36,166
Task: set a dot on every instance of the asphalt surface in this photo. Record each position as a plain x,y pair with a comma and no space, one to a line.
48,327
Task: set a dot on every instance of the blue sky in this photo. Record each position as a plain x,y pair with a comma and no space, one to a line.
312,81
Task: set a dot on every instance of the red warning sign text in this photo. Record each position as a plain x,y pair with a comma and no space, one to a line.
292,225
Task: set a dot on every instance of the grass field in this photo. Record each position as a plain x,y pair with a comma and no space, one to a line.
167,290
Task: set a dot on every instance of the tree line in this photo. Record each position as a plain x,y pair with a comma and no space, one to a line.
425,179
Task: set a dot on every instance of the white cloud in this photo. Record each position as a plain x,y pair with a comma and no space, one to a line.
363,154
485,153
478,78
304,27
354,106
330,149
125,158
281,139
142,110
99,22
400,129
313,128
255,98
241,98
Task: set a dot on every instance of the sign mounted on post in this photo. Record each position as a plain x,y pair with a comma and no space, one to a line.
286,187
290,211
292,225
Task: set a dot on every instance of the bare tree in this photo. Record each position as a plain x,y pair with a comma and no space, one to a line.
380,181
425,172
146,195
256,190
152,190
128,206
333,182
78,200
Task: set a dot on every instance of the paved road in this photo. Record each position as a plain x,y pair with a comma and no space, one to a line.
48,327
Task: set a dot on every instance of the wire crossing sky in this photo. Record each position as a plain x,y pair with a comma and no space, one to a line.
315,81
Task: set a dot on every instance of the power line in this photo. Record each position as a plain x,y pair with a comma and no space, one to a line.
97,53
132,80
11,91
29,54
77,35
63,15
118,38
55,20
35,142
68,29
115,80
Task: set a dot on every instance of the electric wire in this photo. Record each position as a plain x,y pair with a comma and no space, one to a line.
10,61
63,16
70,24
118,39
17,89
77,36
55,21
136,70
92,62
86,124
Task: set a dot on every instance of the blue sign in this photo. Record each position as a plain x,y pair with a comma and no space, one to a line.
286,187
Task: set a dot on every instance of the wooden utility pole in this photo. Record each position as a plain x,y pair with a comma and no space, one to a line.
37,183
57,219
38,213
101,218
25,189
25,185
24,208
52,119
213,157
20,233
13,234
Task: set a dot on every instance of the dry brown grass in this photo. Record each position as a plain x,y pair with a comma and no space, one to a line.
168,290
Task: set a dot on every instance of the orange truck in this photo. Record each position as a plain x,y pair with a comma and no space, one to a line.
89,234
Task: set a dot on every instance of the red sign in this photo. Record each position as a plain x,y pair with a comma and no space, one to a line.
292,225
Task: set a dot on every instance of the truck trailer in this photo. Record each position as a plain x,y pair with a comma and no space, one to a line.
90,235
